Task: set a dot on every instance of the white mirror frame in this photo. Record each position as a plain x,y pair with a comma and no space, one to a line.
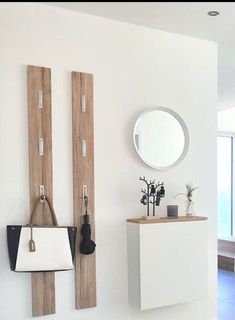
185,131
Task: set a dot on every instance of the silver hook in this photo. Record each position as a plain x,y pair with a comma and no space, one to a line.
42,198
42,193
85,197
86,203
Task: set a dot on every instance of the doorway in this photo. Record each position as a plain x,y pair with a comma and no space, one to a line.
226,214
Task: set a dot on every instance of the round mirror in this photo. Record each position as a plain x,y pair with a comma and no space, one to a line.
161,138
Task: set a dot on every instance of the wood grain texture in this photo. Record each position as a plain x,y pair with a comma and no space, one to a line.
40,173
83,174
166,220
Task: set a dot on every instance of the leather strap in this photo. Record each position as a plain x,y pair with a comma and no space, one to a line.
37,202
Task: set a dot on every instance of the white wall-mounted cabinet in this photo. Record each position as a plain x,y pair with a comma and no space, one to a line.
167,261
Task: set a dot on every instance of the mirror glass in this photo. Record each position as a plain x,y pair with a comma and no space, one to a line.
161,138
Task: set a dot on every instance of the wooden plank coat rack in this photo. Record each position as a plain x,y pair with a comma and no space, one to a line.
83,181
40,174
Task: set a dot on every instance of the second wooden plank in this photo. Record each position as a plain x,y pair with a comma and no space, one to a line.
83,174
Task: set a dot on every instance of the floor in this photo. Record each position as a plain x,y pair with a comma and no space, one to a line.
226,295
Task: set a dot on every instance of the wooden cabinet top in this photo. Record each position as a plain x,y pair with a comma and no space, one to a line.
166,219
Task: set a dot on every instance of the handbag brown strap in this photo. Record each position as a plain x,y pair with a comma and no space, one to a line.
41,201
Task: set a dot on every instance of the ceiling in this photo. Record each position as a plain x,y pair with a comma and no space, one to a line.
188,18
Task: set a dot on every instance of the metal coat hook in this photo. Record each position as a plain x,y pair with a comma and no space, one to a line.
84,191
42,198
42,193
84,148
86,203
40,147
40,99
85,198
83,103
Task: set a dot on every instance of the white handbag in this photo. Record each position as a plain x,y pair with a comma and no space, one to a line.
39,248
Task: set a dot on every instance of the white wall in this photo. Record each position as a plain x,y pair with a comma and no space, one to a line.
226,121
134,68
226,77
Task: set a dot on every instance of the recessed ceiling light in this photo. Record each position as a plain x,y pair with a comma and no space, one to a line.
213,13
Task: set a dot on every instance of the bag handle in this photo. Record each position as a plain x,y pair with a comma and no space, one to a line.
41,200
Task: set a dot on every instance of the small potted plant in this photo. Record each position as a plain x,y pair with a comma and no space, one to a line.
189,198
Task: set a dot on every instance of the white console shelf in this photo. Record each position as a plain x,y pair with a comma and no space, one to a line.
167,261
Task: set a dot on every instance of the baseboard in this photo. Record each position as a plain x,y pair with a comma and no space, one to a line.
227,263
